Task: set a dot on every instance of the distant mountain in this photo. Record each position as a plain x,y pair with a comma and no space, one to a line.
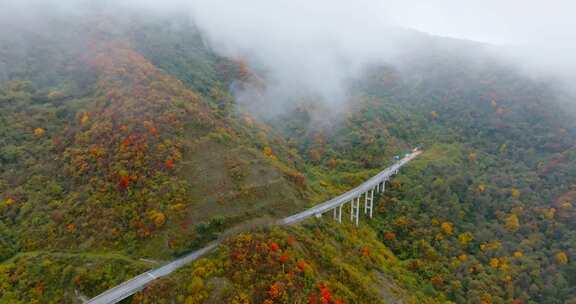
122,146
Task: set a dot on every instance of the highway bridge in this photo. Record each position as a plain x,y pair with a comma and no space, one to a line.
354,196
334,206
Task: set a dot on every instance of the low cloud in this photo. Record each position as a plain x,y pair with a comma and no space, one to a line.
307,49
311,49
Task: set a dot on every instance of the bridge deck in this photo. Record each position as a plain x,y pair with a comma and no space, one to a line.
350,195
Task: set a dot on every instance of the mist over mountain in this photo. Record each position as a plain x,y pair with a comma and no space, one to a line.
315,50
135,132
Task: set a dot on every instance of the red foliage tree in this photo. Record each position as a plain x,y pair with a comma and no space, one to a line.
124,182
274,246
170,164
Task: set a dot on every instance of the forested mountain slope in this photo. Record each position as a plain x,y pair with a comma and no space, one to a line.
120,140
107,157
496,182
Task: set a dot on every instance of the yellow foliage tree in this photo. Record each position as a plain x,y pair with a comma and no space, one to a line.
268,152
157,217
481,188
178,207
198,292
504,265
550,213
241,298
515,193
490,246
494,263
9,202
562,258
512,223
447,227
39,132
465,238
84,119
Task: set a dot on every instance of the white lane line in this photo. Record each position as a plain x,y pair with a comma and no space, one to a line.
151,275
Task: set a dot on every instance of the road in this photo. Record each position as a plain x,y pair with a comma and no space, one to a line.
354,193
130,287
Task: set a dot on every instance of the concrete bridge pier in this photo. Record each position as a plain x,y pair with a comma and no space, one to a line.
384,185
369,202
355,210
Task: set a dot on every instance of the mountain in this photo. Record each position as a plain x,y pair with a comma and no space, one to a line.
122,146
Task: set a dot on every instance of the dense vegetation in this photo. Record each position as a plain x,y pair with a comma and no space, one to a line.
318,263
119,139
487,214
102,151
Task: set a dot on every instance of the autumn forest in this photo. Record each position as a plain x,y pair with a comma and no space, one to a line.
123,146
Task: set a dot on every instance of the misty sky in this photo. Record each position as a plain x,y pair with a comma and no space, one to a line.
331,39
317,46
495,21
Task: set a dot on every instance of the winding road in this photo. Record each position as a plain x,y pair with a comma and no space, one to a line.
130,287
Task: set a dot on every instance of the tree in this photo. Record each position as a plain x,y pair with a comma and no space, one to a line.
448,228
84,119
274,246
332,163
562,258
512,223
465,238
389,235
170,164
315,155
494,262
515,193
39,132
157,217
124,182
550,213
268,152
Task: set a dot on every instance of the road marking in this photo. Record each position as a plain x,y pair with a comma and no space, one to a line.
153,276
